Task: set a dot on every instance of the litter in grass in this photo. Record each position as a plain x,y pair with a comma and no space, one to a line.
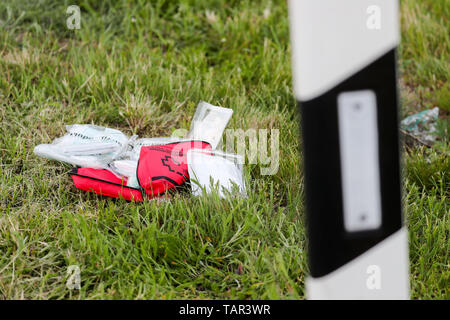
85,146
422,125
209,122
111,164
215,169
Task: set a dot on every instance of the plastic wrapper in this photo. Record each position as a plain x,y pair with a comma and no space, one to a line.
209,122
112,155
85,146
209,170
126,168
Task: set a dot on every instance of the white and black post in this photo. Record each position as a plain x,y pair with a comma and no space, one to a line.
345,82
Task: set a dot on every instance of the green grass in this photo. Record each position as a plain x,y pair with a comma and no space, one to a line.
142,68
425,54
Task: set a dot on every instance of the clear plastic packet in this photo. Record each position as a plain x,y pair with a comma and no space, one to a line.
209,122
126,168
146,142
85,146
210,170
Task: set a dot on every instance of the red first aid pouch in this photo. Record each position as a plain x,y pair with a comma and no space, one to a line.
105,183
160,168
164,167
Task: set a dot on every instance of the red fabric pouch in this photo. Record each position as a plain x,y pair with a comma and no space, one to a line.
164,167
105,183
160,168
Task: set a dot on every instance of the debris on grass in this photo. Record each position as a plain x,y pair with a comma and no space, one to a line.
421,127
85,146
111,164
215,169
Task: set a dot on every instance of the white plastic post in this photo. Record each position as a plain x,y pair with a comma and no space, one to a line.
345,83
